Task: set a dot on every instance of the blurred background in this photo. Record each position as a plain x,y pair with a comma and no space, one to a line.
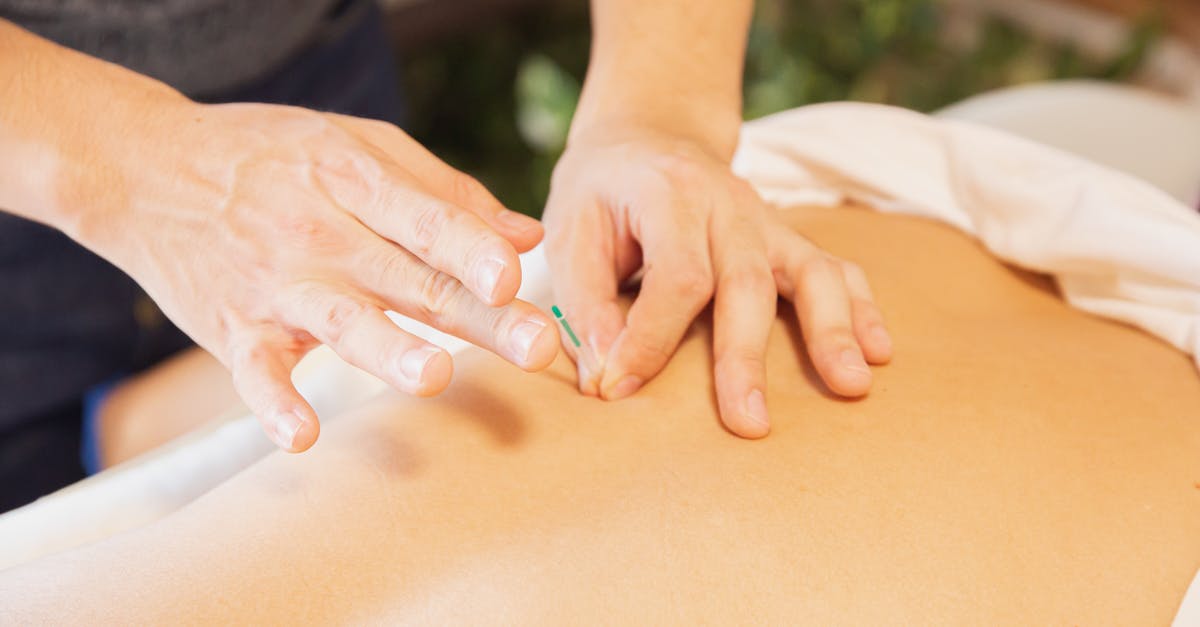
491,84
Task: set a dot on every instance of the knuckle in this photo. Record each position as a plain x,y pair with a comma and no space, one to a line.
374,126
650,350
468,189
439,291
500,325
865,312
853,270
392,266
694,283
303,122
834,339
338,317
693,279
736,360
255,355
429,220
480,242
754,278
247,357
816,268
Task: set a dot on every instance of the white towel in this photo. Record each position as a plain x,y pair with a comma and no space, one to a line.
1117,246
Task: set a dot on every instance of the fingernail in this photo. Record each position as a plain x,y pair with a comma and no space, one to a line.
756,408
625,387
880,336
516,221
487,275
523,337
412,364
853,361
287,425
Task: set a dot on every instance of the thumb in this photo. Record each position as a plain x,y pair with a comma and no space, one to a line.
585,290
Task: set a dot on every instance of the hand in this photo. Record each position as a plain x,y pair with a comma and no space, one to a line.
624,200
264,231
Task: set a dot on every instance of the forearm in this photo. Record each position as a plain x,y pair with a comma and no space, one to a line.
65,121
674,65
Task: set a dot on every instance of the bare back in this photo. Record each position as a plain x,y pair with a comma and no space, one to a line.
1018,462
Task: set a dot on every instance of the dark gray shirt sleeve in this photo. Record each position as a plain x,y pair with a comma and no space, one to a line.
197,46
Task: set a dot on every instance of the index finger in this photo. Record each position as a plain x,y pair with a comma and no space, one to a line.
522,231
443,235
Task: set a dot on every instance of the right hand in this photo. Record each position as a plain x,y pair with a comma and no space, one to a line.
263,231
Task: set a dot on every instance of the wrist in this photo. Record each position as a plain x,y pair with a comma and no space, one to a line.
709,119
68,130
714,137
107,168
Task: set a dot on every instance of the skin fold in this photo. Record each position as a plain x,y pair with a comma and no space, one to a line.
1018,463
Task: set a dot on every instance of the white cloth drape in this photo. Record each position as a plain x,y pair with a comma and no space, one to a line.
1117,246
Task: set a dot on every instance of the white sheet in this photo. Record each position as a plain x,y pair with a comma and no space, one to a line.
1117,246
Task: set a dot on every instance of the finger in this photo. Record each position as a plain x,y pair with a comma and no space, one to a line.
743,312
263,378
677,285
522,231
362,335
518,331
869,327
392,204
447,238
585,289
822,304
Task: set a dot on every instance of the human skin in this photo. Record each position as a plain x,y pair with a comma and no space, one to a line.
1023,463
645,184
262,230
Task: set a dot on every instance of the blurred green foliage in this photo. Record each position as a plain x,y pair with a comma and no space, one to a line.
498,102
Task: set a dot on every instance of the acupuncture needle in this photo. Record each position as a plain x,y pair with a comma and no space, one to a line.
584,352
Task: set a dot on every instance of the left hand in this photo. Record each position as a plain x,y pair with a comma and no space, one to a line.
630,198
